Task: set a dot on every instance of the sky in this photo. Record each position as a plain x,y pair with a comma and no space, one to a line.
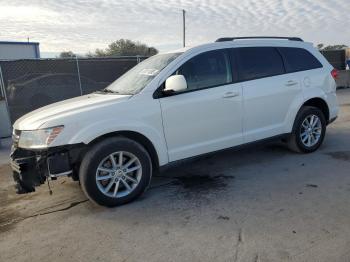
84,25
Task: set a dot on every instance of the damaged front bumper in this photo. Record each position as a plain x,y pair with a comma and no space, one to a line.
31,168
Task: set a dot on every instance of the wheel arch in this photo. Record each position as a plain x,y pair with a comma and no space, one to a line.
320,104
317,100
136,136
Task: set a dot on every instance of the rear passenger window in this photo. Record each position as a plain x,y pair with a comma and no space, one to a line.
258,62
298,59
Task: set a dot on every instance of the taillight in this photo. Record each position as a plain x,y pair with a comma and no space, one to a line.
334,73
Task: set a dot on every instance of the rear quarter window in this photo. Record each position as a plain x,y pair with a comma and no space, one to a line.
298,59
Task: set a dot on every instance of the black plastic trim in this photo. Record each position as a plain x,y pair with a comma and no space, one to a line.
281,137
331,120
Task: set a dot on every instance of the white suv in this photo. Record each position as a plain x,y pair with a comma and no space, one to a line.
174,106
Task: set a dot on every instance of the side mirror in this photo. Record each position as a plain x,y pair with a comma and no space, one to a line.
175,83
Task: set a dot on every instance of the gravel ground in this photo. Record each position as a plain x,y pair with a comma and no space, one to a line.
263,203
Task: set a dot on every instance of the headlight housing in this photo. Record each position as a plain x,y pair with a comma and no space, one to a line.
37,139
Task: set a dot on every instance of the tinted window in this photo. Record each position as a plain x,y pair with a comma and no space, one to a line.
206,70
298,59
258,62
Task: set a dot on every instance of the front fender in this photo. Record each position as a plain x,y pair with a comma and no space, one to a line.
100,128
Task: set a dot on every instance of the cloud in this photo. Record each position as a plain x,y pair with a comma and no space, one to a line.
83,25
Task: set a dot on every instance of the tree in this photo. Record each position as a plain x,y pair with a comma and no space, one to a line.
124,47
335,47
67,54
320,46
330,47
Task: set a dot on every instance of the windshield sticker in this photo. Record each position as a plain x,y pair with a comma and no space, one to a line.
149,72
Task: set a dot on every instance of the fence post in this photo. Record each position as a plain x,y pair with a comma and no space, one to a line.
77,62
138,59
6,127
1,81
3,90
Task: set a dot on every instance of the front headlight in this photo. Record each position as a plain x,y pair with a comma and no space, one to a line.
40,138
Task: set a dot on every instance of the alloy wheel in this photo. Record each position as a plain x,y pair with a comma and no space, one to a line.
118,174
311,130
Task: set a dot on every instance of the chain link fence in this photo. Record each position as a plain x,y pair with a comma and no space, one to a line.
31,83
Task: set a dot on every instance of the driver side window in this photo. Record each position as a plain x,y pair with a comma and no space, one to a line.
206,70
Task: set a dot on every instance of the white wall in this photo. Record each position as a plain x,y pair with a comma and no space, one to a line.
13,51
18,51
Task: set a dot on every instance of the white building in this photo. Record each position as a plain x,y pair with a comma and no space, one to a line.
19,50
11,51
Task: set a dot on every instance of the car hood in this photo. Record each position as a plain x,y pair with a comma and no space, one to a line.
39,117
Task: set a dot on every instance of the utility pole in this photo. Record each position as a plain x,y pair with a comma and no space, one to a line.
184,27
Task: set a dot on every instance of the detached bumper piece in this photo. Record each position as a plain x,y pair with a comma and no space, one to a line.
27,174
33,168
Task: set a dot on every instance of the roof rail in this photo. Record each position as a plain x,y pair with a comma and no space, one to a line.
224,39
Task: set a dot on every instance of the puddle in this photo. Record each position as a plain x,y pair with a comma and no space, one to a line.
7,215
15,208
10,215
275,147
312,185
196,186
202,183
8,219
340,155
223,217
5,169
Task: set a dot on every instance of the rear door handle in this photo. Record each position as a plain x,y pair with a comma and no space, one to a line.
291,83
231,94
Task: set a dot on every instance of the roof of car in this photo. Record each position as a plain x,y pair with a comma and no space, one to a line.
262,42
238,42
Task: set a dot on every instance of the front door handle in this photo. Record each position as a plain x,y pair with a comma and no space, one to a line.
291,83
231,94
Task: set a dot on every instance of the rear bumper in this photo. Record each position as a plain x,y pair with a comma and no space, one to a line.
333,105
33,168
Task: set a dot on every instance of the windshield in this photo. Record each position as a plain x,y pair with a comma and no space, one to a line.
139,76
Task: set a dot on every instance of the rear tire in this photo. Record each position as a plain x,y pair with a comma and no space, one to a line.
115,171
308,131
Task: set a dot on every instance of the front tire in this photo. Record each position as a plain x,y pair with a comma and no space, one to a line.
115,171
308,131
